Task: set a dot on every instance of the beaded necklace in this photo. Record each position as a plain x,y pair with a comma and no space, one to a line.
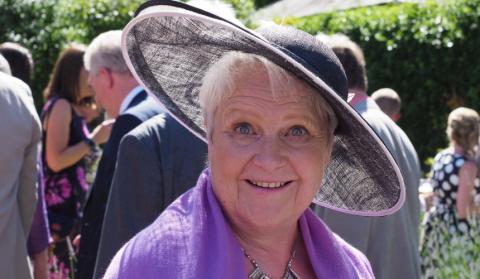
257,273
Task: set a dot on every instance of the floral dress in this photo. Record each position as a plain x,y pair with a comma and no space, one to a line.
65,192
448,240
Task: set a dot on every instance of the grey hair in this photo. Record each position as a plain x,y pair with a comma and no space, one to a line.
4,66
388,100
106,51
221,80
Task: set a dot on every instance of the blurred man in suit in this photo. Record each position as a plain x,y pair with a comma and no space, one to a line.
124,100
21,65
19,146
390,243
157,162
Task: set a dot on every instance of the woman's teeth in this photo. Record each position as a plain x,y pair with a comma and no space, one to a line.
267,184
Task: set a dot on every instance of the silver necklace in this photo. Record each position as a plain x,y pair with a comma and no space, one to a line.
257,273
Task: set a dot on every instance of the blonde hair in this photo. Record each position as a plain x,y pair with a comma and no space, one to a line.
463,129
222,77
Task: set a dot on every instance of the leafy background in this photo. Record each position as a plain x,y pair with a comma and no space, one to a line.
427,52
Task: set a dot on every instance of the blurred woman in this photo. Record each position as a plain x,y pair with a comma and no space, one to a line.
454,181
66,144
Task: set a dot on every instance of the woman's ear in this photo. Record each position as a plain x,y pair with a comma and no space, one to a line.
107,77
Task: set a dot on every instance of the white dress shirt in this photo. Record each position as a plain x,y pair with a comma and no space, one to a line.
135,91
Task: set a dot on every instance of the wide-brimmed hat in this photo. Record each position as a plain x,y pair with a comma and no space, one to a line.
170,45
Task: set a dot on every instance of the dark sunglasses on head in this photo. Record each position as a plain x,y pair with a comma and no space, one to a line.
88,101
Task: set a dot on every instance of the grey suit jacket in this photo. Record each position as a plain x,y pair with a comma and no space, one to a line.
157,162
390,243
19,144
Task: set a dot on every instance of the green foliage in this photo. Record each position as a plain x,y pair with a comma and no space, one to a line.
447,254
30,24
47,26
243,8
426,52
262,3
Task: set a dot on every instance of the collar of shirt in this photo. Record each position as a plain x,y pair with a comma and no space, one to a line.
135,91
356,97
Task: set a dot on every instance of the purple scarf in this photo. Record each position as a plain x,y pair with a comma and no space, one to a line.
192,239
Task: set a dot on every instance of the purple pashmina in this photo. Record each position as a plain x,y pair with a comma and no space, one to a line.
192,239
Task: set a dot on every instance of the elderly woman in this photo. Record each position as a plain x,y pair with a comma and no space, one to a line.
456,188
280,134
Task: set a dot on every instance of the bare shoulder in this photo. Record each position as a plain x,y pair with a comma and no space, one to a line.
62,105
61,109
60,112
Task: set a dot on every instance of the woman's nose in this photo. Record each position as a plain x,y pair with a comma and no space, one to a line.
270,154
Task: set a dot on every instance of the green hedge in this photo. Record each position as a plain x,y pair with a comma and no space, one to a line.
428,53
47,26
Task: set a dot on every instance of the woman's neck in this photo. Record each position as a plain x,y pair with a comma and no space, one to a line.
457,149
270,249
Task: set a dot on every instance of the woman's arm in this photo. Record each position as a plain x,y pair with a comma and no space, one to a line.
465,205
58,154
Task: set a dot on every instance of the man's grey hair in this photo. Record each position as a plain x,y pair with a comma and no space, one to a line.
4,66
106,51
388,101
221,80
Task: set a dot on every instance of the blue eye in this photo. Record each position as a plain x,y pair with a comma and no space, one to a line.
297,131
243,129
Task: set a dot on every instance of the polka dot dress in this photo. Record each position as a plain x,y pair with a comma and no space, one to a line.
441,224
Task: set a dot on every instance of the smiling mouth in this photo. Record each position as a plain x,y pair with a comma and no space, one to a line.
268,185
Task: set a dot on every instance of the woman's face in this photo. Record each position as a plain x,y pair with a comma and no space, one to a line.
86,100
267,154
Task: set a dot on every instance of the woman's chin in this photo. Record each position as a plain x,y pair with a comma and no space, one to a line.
265,217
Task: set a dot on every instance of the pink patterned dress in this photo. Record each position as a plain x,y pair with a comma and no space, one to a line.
65,192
